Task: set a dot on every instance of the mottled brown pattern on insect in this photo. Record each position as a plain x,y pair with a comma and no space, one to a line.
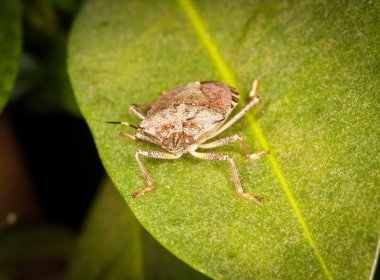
183,119
189,94
165,127
215,92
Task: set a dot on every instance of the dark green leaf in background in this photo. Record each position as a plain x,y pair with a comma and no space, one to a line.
10,46
113,245
23,242
32,244
319,115
43,85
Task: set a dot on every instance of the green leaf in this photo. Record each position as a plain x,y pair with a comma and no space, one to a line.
319,116
114,246
22,243
43,84
10,46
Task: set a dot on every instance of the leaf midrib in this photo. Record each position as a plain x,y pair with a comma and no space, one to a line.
228,76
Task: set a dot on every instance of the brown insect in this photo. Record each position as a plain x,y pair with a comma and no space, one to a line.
183,119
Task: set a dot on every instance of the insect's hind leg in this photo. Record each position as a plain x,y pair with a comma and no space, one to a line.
134,109
151,154
238,187
232,138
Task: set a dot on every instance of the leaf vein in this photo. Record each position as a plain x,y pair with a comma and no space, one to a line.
229,77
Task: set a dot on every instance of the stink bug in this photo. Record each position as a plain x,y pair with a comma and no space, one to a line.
183,119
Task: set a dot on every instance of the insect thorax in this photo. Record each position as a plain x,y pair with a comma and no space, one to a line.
182,127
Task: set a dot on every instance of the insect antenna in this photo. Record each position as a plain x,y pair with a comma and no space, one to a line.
122,123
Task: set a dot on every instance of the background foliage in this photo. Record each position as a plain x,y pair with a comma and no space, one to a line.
10,47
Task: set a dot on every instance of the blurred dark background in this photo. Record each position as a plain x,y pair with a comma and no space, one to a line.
50,137
49,166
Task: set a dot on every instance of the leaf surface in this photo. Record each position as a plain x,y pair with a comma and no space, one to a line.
319,116
10,46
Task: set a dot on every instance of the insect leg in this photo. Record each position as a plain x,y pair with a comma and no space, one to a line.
253,99
151,154
134,110
232,138
238,187
126,134
144,137
139,136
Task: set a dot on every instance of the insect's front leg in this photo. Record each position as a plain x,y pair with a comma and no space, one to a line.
232,138
126,134
151,154
139,136
134,109
238,187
